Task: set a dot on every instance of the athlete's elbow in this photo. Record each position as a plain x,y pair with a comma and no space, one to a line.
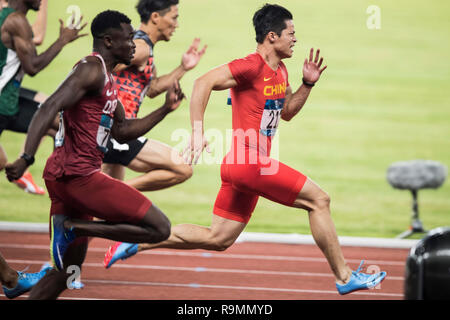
199,82
153,94
31,70
120,135
32,73
286,117
122,140
204,83
38,40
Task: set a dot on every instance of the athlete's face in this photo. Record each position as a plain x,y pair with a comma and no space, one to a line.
168,22
33,4
122,45
286,41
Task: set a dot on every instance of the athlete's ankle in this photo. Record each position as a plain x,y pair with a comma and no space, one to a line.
11,279
344,276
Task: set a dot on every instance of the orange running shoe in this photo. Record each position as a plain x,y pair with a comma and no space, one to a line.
27,183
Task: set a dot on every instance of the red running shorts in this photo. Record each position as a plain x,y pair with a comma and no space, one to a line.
243,184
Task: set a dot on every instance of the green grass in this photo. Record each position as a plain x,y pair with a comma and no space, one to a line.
383,98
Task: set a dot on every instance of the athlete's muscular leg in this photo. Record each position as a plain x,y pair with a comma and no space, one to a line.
55,282
153,228
162,165
221,235
317,202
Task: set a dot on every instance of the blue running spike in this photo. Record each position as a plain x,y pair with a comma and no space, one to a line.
360,281
61,238
25,282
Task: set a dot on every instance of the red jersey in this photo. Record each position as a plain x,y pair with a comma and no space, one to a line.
257,101
133,84
83,133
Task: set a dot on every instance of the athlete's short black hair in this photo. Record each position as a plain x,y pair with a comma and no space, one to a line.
146,7
106,20
271,17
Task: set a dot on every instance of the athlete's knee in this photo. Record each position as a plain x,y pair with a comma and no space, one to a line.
184,172
164,230
157,224
158,232
321,202
220,244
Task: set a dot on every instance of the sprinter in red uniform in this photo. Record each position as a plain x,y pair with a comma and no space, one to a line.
90,112
261,96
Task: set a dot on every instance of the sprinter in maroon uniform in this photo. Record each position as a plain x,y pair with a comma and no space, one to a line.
90,112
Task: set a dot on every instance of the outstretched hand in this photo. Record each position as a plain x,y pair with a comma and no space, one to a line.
192,57
311,69
197,144
72,31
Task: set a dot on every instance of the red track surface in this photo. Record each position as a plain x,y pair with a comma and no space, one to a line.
246,271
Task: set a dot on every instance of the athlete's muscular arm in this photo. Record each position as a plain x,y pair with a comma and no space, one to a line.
124,130
17,34
295,101
219,78
189,60
311,74
86,79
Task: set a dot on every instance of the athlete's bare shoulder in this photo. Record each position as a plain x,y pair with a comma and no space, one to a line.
16,25
90,72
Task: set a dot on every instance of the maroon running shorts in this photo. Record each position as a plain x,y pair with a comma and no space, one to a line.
96,195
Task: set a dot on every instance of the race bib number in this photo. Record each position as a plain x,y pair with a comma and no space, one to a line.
271,116
104,130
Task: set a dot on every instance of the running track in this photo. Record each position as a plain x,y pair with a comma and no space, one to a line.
246,271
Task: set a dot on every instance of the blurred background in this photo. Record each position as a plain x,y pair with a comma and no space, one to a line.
383,98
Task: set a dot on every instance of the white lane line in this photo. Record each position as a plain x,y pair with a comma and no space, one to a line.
210,286
292,238
202,269
266,257
220,255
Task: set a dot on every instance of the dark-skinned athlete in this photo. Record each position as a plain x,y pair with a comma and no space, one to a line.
90,113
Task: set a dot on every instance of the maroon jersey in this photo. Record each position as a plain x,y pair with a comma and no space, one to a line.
83,133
